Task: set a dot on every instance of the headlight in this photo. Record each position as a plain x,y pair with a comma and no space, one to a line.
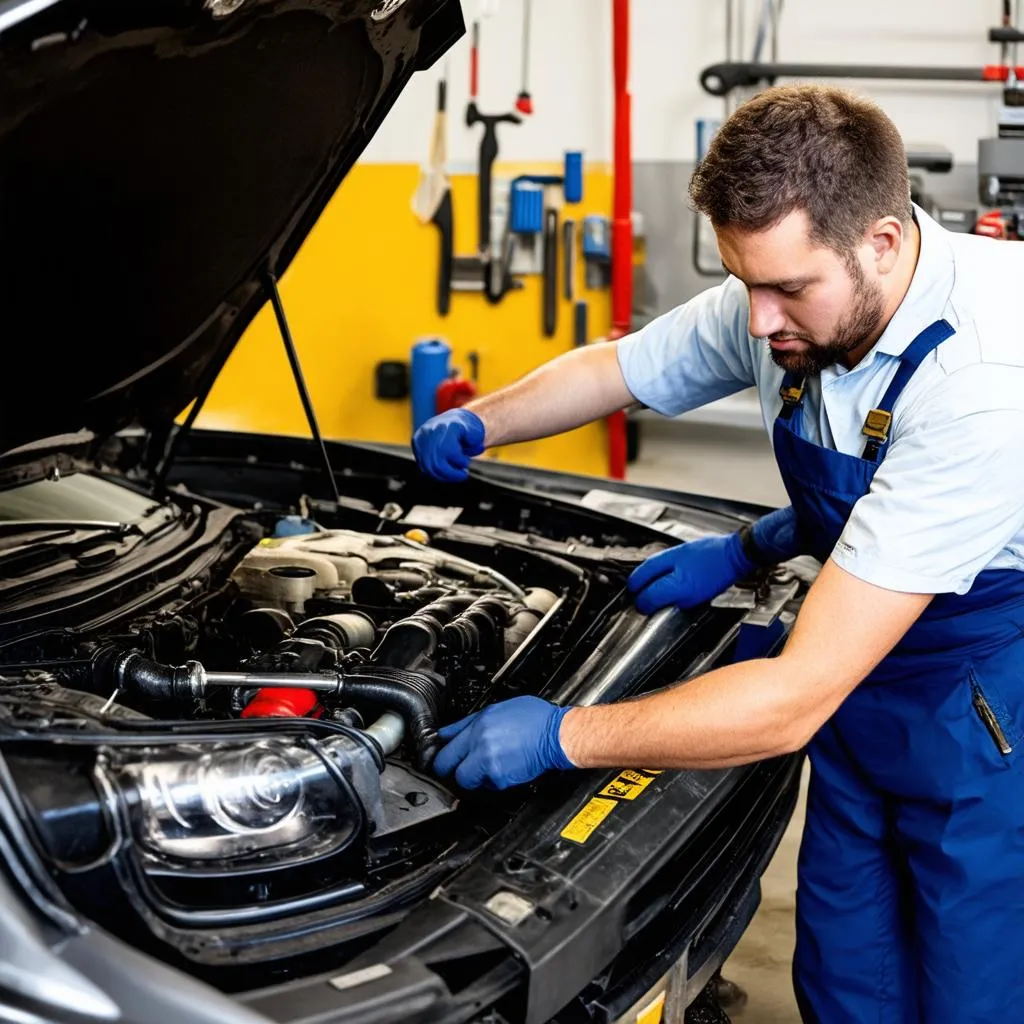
229,802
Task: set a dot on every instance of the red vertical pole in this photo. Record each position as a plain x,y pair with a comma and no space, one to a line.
622,215
474,62
622,221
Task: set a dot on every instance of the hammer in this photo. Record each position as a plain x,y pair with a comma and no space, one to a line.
488,146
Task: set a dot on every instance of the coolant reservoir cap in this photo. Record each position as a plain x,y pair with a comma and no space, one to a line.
295,526
417,535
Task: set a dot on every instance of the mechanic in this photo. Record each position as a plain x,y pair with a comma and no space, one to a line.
890,364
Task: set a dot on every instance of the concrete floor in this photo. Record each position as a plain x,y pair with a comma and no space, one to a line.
737,463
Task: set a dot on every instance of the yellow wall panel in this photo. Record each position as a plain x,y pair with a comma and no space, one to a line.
362,289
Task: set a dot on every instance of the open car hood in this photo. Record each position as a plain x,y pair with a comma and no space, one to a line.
157,162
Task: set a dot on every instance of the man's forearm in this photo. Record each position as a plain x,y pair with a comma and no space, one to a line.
735,715
576,388
759,708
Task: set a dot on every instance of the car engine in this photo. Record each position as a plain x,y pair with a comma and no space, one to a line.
255,746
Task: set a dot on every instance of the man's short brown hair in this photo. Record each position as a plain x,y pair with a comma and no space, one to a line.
824,150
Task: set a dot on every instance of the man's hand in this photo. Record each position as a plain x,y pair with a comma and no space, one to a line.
503,745
690,574
444,444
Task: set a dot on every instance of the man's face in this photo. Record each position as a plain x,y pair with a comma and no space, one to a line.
812,308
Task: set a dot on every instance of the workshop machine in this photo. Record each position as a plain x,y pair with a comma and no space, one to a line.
1000,159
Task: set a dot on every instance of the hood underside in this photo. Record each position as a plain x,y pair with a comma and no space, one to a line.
157,161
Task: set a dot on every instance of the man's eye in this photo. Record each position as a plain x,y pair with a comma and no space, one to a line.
792,292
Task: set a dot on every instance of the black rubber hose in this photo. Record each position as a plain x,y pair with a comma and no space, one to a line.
416,696
422,596
411,643
403,579
155,681
479,629
444,608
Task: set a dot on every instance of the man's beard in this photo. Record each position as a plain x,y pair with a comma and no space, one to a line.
853,330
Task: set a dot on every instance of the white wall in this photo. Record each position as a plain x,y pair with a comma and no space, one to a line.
571,73
569,79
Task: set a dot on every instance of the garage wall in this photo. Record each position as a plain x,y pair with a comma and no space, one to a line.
672,40
362,288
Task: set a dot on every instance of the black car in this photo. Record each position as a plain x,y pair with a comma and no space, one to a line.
224,658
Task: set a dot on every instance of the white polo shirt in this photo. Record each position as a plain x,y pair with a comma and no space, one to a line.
948,498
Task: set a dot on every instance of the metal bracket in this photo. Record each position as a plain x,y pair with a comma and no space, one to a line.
766,603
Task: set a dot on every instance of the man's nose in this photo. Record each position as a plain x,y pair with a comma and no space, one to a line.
766,315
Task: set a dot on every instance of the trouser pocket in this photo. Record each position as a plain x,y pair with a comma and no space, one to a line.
997,688
989,719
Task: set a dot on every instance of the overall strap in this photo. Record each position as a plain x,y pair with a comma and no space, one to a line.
792,392
879,420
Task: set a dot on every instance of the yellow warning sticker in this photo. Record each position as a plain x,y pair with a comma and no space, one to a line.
580,829
628,785
652,1012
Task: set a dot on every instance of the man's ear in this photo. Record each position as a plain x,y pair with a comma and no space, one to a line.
885,239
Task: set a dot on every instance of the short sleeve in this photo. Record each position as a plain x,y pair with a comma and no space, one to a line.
695,354
949,494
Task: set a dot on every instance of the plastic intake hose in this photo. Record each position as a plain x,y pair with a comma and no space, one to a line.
415,696
160,682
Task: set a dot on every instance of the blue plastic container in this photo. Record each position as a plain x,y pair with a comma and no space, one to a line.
527,215
430,368
573,186
597,237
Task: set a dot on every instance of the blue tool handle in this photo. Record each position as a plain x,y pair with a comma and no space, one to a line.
573,183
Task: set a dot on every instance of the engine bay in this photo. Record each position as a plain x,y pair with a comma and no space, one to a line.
235,771
256,747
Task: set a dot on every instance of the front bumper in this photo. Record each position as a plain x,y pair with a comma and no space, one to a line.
549,928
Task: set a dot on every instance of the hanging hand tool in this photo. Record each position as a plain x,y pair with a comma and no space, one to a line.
443,217
433,200
569,259
488,152
579,324
524,102
444,221
550,272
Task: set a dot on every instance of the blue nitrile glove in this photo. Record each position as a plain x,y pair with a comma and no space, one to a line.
444,444
777,536
504,745
692,573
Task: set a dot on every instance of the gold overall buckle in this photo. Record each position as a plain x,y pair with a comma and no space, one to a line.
792,395
876,425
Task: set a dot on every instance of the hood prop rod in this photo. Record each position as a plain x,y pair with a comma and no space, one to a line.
160,481
300,381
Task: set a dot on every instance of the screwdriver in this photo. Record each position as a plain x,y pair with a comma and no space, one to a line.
524,103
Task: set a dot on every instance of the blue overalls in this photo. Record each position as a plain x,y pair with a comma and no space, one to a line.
910,904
